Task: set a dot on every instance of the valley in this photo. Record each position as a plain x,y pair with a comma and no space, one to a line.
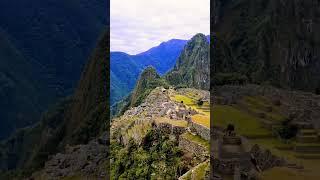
164,125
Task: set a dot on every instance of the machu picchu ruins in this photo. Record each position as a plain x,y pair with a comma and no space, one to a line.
274,131
174,113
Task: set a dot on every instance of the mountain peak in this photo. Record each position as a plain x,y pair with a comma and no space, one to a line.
192,68
198,39
149,79
149,70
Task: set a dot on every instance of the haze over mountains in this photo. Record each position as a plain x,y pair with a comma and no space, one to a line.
125,69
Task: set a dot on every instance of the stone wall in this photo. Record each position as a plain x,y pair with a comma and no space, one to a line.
202,131
166,128
194,148
305,105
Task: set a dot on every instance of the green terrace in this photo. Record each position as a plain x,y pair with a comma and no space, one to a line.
189,100
245,123
249,116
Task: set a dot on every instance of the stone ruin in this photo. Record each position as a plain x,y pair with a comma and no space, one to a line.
303,104
233,159
265,159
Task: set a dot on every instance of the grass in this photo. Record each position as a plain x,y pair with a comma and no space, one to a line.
201,119
186,100
250,125
200,171
180,123
272,144
245,124
196,139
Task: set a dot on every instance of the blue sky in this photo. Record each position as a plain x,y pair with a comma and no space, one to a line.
137,25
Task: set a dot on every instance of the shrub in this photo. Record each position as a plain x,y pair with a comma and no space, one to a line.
287,130
200,102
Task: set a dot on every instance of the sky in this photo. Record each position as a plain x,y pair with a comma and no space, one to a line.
138,25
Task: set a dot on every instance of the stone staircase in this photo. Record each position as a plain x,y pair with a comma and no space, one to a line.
308,145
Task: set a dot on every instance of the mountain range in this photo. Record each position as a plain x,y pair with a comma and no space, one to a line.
125,68
190,70
142,138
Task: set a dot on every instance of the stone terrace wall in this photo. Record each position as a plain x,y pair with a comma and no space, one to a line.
193,147
167,128
305,104
202,131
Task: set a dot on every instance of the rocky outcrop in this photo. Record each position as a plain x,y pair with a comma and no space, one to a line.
82,160
265,159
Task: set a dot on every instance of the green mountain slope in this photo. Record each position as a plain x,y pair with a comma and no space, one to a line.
19,106
75,120
192,68
149,79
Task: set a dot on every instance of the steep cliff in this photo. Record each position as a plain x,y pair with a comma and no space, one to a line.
192,67
75,120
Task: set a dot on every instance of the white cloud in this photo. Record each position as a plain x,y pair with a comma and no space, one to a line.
137,25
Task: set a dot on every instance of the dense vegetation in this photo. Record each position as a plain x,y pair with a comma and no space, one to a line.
158,156
21,100
192,67
75,120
